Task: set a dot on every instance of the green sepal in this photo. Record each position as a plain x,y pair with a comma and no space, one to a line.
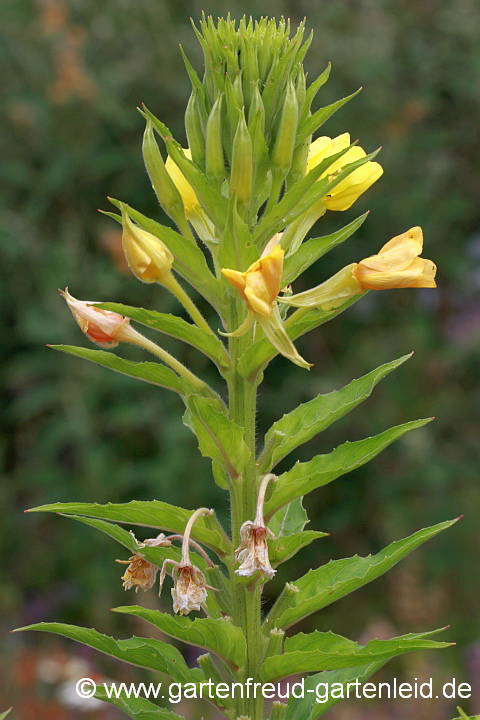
207,343
143,652
151,372
327,584
208,196
312,250
137,708
323,469
154,514
236,250
311,124
219,438
189,260
217,636
310,418
327,651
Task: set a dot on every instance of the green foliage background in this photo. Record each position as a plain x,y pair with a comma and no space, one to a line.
72,74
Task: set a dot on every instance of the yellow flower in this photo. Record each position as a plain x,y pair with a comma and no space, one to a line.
398,265
148,258
259,286
350,188
189,198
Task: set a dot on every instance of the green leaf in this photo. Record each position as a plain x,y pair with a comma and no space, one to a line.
310,251
4,714
323,469
307,707
218,636
311,418
155,514
151,372
210,345
315,121
258,355
327,651
218,437
285,547
290,519
189,260
144,652
137,708
236,250
463,716
323,586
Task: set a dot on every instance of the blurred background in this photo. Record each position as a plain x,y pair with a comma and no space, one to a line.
73,72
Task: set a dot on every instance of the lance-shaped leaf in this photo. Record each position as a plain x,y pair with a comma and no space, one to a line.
4,714
189,260
258,355
151,372
312,417
318,697
219,636
312,91
327,651
290,519
218,437
144,652
323,586
323,469
154,514
310,251
137,708
285,547
209,344
214,204
311,124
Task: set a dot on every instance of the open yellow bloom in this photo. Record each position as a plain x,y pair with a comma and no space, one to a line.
398,265
259,286
348,190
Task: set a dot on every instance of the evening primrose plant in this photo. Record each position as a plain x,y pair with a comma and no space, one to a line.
243,196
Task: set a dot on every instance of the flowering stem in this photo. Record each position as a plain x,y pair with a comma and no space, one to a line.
243,494
176,289
140,340
188,529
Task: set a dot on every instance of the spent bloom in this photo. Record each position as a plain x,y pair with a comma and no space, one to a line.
350,188
396,265
141,573
259,286
252,553
189,590
103,327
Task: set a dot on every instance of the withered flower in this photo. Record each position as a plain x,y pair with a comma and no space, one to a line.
141,573
252,553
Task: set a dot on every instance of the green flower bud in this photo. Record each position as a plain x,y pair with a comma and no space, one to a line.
237,88
241,177
301,88
256,106
163,185
193,126
215,165
298,169
287,131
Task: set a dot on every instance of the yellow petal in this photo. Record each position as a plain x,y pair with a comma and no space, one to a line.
189,198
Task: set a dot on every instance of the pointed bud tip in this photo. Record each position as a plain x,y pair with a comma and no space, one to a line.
460,517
